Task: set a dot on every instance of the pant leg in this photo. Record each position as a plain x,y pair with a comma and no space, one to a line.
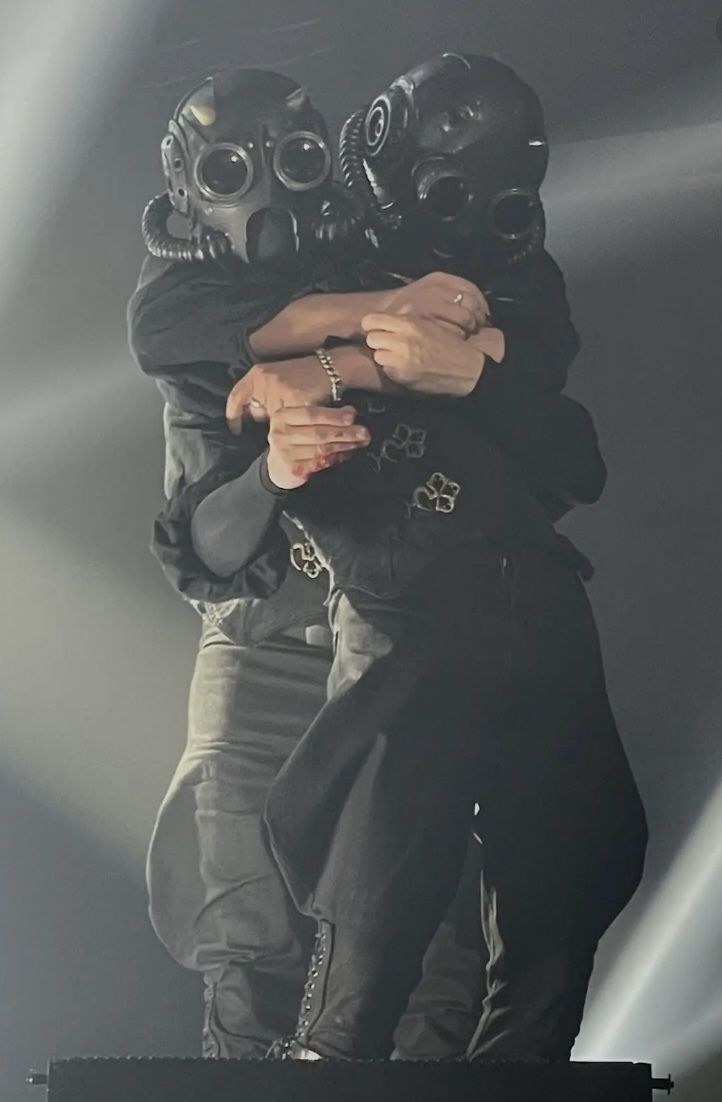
370,817
217,900
542,911
562,824
443,1011
523,707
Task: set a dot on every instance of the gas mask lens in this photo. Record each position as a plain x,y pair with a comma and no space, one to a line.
444,193
302,161
513,214
225,172
447,198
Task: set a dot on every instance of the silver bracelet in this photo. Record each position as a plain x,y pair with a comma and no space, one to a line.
324,358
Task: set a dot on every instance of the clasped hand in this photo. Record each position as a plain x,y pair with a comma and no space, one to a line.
423,354
419,340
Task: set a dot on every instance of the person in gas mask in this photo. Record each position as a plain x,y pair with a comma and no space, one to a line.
247,143
426,533
448,163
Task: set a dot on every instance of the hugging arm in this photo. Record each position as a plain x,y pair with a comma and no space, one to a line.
220,534
529,304
201,456
201,329
517,403
170,317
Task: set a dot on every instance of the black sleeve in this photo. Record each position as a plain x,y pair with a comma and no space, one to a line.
189,325
184,317
518,403
550,438
189,328
202,455
529,303
232,521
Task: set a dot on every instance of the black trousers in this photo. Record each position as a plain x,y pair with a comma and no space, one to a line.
217,899
486,685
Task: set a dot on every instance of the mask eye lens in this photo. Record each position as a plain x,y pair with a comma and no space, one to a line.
225,171
447,198
302,161
514,214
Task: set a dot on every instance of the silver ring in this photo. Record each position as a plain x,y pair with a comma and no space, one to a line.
459,298
256,403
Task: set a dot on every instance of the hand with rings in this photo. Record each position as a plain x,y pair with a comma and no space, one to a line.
453,302
424,354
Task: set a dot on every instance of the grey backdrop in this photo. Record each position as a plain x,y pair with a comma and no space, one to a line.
96,650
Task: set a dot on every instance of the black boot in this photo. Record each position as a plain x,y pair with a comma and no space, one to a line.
289,1049
296,1047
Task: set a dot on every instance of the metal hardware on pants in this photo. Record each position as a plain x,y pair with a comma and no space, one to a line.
313,992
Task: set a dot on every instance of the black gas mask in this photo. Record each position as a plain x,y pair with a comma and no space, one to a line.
247,162
452,154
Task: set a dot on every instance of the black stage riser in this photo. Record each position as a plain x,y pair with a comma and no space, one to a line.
163,1079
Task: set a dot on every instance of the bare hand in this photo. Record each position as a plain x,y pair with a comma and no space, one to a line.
491,342
270,386
441,296
305,439
424,355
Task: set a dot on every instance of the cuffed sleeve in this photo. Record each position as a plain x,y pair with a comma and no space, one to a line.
234,519
189,327
202,455
266,481
260,575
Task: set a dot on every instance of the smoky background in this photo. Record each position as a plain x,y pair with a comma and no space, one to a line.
96,651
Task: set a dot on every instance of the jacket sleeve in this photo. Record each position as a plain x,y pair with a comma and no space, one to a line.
518,404
549,437
189,327
184,317
202,456
232,521
529,303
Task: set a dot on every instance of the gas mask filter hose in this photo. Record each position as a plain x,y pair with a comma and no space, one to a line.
351,160
161,243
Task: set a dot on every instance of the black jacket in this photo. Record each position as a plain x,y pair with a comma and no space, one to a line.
189,327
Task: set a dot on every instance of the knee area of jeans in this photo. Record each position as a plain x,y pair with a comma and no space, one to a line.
211,760
228,791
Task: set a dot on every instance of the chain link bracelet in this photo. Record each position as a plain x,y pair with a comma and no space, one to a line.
324,358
